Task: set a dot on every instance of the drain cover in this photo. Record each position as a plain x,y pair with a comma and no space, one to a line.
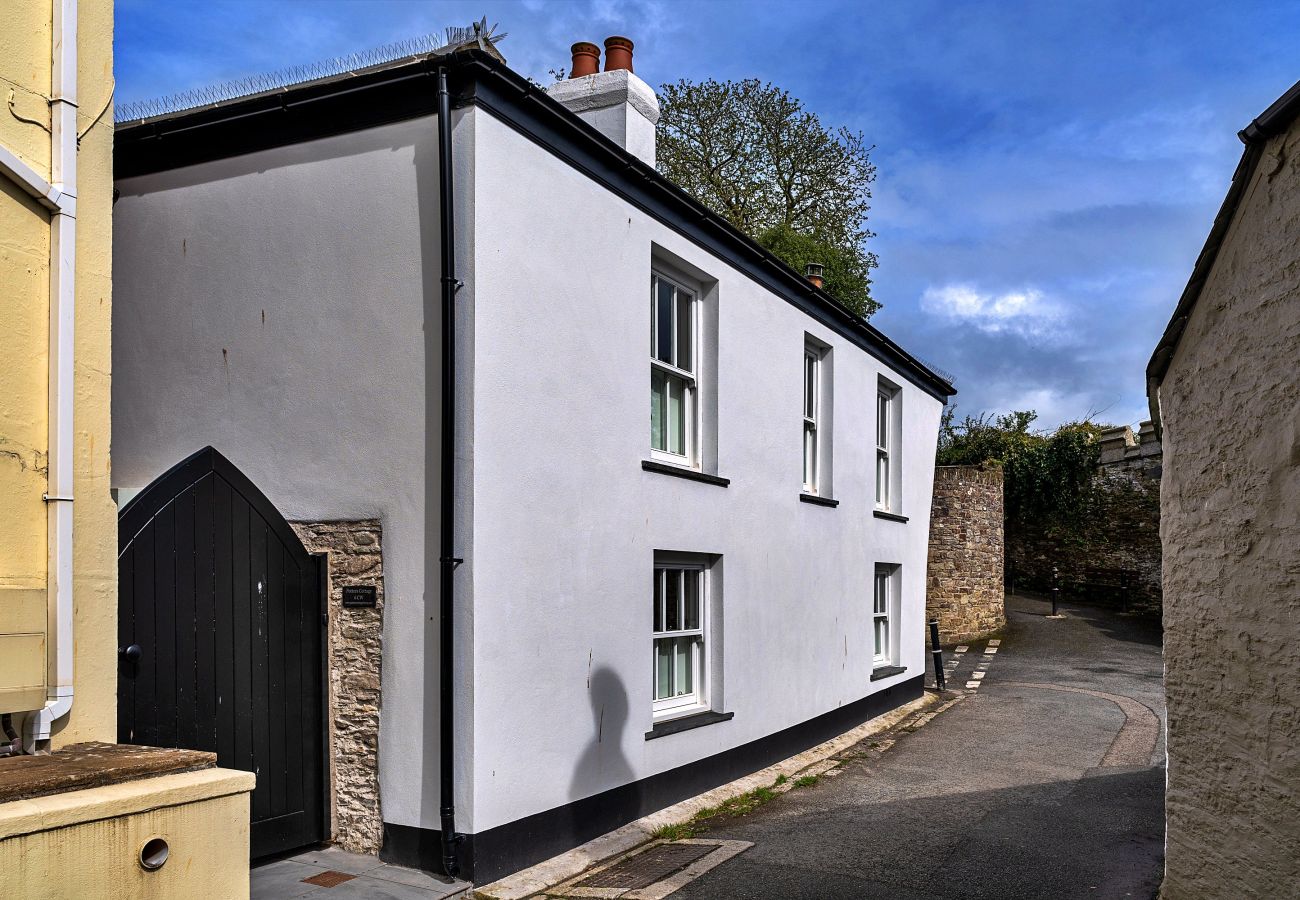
647,868
329,879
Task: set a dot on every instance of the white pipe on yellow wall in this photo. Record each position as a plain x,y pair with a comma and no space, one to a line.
63,252
30,180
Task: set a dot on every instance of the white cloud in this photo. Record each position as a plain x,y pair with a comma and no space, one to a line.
1027,313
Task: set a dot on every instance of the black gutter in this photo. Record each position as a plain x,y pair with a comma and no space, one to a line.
1273,121
448,563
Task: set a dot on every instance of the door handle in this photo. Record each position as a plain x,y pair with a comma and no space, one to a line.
131,653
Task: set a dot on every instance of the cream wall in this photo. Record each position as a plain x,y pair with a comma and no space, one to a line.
85,844
24,311
1230,525
25,61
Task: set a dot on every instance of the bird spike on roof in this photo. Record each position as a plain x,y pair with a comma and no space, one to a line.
942,373
452,37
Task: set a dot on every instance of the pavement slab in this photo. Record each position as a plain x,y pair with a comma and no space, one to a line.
362,877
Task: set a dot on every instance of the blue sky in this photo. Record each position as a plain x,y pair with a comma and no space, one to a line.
1047,171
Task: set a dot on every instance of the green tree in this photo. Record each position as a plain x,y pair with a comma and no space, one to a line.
754,155
846,268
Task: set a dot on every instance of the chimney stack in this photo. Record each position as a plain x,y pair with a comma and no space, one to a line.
618,54
615,102
814,272
586,59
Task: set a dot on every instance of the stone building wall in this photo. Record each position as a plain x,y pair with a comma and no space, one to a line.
1231,527
964,588
1121,541
355,653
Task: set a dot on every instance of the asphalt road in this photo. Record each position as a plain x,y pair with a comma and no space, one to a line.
1047,781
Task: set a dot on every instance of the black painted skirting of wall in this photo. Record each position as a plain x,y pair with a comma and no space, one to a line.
497,852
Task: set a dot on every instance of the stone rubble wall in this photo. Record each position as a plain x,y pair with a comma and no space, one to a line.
1124,535
964,589
355,655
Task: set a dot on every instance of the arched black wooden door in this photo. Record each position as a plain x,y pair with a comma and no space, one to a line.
220,619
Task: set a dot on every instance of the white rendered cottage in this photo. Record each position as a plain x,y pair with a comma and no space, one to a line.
607,612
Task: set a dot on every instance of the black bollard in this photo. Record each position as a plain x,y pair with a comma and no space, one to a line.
936,653
1056,589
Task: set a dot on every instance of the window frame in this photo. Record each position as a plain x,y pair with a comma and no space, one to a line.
884,609
886,456
698,699
689,377
812,371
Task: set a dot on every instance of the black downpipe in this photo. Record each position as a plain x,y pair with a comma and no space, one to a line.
448,563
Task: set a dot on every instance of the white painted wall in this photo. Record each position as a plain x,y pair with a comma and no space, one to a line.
324,407
566,522
273,306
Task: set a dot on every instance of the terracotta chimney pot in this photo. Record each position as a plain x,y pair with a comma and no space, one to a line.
586,59
618,54
814,272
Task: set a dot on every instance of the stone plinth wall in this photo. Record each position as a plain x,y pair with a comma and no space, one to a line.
355,654
1122,537
964,575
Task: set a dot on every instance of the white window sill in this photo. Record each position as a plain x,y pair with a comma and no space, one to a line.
667,713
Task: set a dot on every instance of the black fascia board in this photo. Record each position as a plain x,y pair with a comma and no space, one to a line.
345,103
307,112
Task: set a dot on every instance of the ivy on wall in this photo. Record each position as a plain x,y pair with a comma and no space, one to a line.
1048,478
1062,510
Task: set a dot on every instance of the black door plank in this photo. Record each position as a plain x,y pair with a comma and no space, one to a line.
164,651
242,649
280,833
125,637
144,729
315,682
186,649
293,684
277,760
261,695
205,618
223,570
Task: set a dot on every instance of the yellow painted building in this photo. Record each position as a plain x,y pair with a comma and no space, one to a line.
37,112
58,522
